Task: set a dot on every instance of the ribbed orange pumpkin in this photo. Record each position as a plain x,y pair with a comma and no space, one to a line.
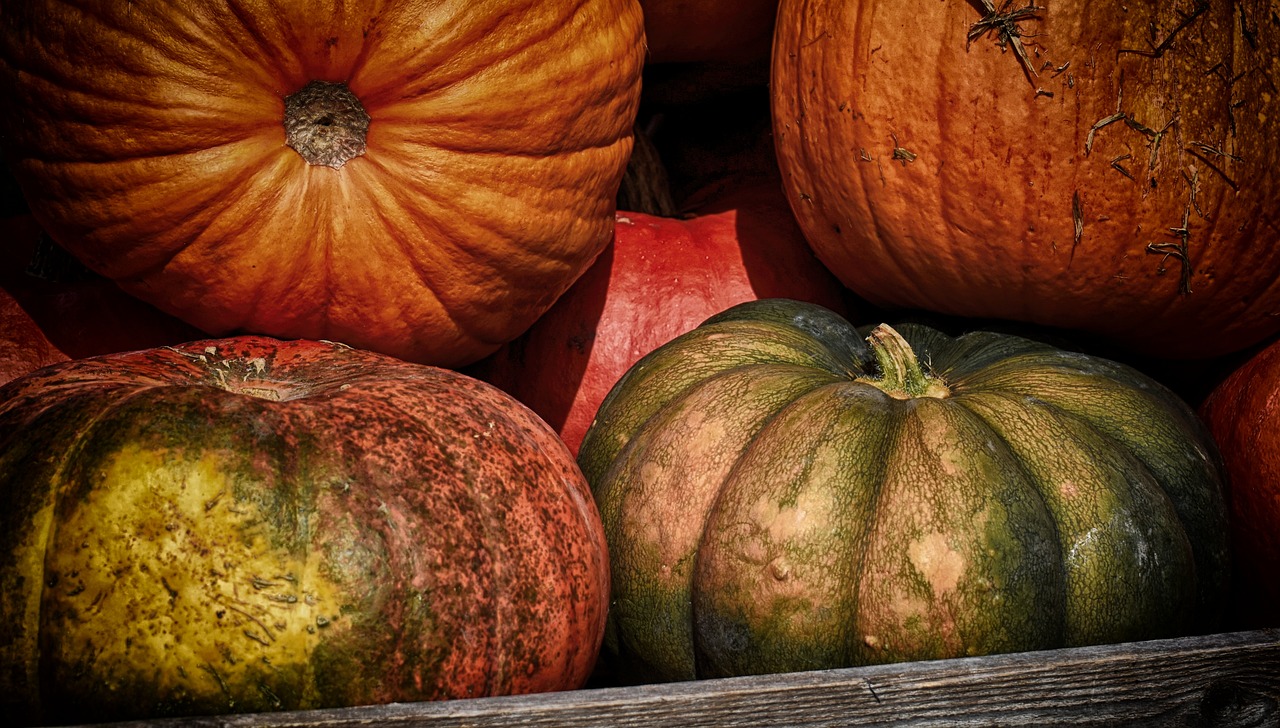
418,178
1107,166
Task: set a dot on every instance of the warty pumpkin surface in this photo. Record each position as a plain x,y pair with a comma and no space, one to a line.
780,495
246,524
418,178
1102,166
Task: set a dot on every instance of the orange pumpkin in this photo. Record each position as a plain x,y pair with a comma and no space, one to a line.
422,179
1105,166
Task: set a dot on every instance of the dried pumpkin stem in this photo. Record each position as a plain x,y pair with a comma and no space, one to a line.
326,124
901,375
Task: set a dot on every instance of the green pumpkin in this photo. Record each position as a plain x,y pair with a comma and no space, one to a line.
780,493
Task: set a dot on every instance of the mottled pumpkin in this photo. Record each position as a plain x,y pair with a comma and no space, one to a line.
779,494
418,178
1107,166
246,525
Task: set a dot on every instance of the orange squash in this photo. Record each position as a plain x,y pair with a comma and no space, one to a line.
1104,166
421,179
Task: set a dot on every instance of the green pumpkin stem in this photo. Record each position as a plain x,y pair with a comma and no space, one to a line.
901,375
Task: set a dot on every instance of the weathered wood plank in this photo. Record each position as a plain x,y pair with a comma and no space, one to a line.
1218,680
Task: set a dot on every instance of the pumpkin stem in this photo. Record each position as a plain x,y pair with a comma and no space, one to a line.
325,123
901,375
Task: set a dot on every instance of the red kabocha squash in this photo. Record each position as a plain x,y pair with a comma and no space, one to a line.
1100,166
420,179
246,524
780,495
1243,414
79,312
23,346
659,278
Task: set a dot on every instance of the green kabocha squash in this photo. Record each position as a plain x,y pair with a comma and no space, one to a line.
244,525
781,494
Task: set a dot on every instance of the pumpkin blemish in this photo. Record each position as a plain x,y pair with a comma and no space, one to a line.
941,565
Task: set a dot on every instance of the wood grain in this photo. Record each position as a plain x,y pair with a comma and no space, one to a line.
1228,679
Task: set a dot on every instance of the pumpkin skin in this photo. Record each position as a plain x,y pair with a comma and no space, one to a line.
81,314
659,278
245,525
777,498
933,172
151,143
1242,415
23,346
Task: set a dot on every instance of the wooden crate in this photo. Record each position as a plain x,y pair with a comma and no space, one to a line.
1228,679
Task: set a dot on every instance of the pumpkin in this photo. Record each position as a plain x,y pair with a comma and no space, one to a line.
779,494
699,31
1106,167
247,524
658,279
23,346
79,312
1243,416
419,179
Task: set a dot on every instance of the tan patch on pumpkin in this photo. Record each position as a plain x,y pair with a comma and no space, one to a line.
941,565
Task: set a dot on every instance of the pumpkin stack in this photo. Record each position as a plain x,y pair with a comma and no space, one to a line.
384,382
300,507
782,490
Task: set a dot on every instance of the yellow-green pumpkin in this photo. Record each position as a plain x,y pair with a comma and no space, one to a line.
244,525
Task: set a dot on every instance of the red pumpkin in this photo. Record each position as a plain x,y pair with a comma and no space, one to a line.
84,314
420,179
246,525
1243,415
1101,166
23,346
660,278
